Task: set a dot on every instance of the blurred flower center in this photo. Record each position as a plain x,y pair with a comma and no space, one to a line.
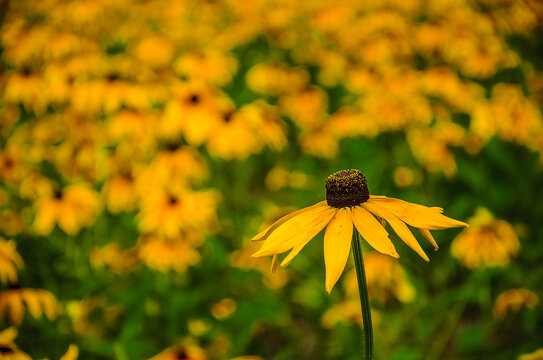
193,99
346,188
173,200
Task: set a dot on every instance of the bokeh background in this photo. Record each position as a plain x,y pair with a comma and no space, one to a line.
143,143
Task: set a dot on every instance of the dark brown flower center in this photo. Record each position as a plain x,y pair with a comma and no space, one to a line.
346,188
6,349
173,200
193,99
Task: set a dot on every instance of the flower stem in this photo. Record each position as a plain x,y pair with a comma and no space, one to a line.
364,299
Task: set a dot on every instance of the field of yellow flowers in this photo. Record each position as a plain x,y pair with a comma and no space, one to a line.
143,143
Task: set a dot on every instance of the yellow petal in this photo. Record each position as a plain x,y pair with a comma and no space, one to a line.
309,233
267,231
71,354
275,260
284,237
399,227
32,302
337,243
372,231
418,215
429,237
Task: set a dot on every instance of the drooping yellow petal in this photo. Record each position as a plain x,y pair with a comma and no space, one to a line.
399,227
372,231
337,243
274,262
263,235
309,233
416,215
284,237
429,237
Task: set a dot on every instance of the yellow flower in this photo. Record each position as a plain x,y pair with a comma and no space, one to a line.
188,351
155,51
193,111
169,254
120,193
223,308
275,79
8,350
72,208
279,178
210,65
488,242
12,168
513,300
168,213
37,301
349,203
10,261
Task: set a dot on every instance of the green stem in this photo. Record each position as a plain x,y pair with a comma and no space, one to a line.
364,299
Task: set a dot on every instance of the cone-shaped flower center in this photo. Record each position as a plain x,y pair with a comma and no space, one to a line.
346,188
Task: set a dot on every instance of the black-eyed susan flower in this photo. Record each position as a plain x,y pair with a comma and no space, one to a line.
168,213
71,208
348,204
488,242
8,349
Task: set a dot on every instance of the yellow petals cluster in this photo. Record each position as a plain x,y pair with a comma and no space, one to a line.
487,242
36,301
513,300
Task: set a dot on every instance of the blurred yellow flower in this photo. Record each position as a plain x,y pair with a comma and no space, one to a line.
12,167
349,203
193,111
347,311
223,308
71,208
279,178
155,51
403,176
386,280
211,66
10,261
37,301
513,300
8,350
120,193
275,79
176,253
488,242
187,351
168,213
